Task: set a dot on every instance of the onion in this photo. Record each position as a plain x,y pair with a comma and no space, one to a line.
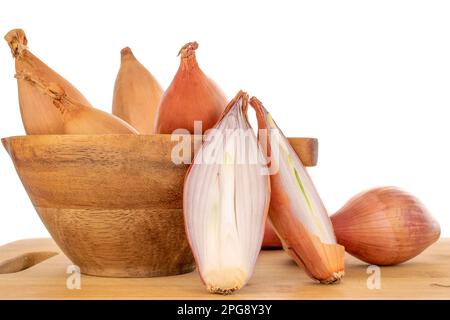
76,117
226,198
271,240
296,210
191,96
136,94
385,226
39,116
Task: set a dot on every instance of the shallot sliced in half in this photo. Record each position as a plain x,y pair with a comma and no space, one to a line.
226,199
296,210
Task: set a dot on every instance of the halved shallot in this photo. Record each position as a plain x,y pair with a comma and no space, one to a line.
226,199
296,210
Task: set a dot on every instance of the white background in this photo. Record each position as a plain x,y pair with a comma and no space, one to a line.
370,79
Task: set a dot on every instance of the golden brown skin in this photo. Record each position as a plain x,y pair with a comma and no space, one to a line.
191,96
323,262
76,117
307,151
385,226
39,116
137,94
271,240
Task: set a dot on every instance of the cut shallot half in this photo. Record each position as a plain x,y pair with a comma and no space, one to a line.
226,200
296,210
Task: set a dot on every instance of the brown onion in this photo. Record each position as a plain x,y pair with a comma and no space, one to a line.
39,116
76,117
191,96
385,226
137,94
271,240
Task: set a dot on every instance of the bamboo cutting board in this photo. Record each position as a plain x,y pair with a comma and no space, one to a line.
44,276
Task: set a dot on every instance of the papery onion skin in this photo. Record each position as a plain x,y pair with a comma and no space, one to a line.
323,262
39,116
321,257
191,96
78,118
137,94
385,226
271,240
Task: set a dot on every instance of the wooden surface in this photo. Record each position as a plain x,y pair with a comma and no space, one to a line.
276,277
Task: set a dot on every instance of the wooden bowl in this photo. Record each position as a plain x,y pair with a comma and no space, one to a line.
113,203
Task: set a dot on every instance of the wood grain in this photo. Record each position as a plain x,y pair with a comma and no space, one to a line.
113,203
24,261
276,277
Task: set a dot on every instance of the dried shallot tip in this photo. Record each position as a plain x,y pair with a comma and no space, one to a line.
39,116
76,117
188,50
191,97
137,94
385,226
17,41
296,210
226,199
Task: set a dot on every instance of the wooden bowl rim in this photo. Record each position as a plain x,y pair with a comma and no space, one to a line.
56,138
7,140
